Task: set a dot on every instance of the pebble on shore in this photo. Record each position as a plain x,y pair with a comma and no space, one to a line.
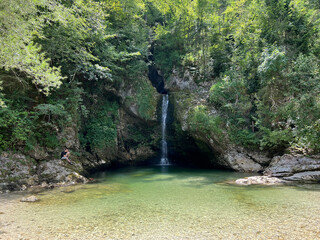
29,199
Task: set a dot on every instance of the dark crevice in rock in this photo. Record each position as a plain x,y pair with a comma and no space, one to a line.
156,79
255,160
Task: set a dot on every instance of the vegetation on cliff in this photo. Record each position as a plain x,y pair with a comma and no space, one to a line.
262,58
59,60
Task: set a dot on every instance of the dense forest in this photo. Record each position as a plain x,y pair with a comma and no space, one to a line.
63,63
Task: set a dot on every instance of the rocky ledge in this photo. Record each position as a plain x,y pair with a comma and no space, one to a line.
18,173
297,168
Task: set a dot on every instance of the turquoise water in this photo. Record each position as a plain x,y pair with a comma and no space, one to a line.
164,203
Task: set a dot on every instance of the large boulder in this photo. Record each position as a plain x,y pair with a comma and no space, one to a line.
15,171
240,161
57,171
259,180
287,165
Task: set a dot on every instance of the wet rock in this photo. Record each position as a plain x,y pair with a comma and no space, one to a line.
287,165
306,177
60,173
55,170
76,178
241,161
23,188
47,186
29,199
259,180
33,180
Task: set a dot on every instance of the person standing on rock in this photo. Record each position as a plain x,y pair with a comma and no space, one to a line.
65,155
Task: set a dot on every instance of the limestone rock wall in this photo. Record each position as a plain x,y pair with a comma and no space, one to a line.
187,96
295,168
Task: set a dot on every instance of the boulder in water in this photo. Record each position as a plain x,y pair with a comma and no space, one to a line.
260,180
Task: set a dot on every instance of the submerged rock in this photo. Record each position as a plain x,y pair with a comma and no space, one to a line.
29,199
260,180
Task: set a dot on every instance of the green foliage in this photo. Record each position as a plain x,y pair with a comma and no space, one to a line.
70,37
52,114
275,138
51,141
101,128
20,22
230,95
15,127
200,121
146,99
261,56
243,137
273,62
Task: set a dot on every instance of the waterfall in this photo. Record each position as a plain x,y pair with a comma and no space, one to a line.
164,147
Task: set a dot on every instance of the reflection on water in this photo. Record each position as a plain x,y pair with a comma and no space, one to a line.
164,203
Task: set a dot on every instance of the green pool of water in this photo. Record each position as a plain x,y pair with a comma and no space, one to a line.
164,203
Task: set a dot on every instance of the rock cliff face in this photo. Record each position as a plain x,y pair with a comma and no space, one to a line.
192,114
137,126
136,140
196,118
19,172
196,136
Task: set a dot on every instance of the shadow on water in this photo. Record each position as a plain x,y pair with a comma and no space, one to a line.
315,187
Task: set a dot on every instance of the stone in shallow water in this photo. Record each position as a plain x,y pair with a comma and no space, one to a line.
262,180
29,199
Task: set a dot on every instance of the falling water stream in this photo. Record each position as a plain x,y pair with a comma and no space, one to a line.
164,148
